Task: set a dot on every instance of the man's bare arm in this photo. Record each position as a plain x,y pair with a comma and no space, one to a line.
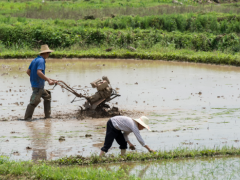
131,146
41,75
150,150
29,72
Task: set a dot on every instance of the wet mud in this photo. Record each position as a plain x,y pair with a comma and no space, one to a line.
189,104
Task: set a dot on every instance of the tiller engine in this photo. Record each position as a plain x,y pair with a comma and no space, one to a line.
96,104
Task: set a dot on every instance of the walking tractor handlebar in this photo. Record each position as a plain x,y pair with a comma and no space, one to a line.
68,88
97,102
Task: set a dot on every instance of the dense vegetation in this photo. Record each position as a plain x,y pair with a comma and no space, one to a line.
152,29
201,32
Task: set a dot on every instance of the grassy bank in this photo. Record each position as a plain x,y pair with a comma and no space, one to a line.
29,170
214,22
179,153
71,170
160,53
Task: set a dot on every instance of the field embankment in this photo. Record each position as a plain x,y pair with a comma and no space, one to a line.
48,170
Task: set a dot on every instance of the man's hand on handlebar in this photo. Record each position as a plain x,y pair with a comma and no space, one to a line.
51,82
55,81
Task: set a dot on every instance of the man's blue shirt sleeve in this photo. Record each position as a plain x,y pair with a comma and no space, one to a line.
37,64
30,66
41,64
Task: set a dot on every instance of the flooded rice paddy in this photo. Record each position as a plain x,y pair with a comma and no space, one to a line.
190,105
208,168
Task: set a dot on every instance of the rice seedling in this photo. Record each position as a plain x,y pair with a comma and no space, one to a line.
179,153
41,170
200,168
204,168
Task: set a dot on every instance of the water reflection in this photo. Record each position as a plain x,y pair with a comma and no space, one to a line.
134,168
205,168
40,134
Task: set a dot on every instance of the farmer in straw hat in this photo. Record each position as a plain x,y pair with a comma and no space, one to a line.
36,71
116,125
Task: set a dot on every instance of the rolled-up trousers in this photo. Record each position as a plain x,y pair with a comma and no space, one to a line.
111,134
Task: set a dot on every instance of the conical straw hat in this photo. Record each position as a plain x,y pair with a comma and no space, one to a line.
144,121
45,49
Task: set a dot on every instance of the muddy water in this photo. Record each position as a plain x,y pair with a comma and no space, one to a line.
189,104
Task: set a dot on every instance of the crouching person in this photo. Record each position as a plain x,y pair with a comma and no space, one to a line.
116,125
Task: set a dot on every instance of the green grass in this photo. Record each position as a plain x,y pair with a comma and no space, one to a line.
179,153
41,170
205,34
158,54
12,5
68,167
200,168
148,33
79,8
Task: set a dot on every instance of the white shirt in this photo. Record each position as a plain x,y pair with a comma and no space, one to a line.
127,125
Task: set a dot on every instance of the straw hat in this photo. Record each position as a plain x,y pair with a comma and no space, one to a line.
144,121
45,49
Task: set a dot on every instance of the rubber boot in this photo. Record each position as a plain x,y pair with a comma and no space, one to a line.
47,109
123,152
29,112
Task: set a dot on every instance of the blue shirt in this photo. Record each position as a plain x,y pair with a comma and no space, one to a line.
38,63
